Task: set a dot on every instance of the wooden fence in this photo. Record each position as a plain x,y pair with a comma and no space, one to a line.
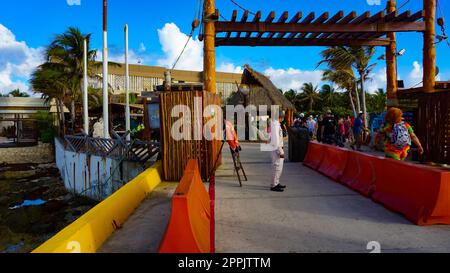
176,153
433,126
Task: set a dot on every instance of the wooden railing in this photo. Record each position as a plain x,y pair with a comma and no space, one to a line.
116,148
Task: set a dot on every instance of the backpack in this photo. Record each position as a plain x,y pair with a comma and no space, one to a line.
400,136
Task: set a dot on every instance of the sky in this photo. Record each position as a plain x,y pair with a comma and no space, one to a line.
159,29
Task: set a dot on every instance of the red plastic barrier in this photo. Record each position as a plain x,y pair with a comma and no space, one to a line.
314,156
362,172
334,162
189,227
420,193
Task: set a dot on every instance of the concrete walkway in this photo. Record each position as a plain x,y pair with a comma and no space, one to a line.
314,214
144,229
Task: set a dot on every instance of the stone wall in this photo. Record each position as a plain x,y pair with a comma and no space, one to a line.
42,153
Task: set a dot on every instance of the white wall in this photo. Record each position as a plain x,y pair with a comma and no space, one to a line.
93,176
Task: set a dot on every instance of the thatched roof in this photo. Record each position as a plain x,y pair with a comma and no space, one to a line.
262,91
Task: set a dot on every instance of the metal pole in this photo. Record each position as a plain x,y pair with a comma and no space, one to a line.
127,87
105,72
85,90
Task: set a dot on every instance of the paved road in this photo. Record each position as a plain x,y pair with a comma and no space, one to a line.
314,214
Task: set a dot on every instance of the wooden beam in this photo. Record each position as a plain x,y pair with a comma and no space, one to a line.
360,19
403,17
305,21
294,20
233,19
417,16
299,42
345,20
376,18
281,20
429,47
269,19
243,20
322,18
255,20
333,20
312,28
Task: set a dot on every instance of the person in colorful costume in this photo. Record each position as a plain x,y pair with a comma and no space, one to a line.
394,117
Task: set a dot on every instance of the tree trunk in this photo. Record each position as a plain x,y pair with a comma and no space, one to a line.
358,103
311,102
63,118
58,115
352,103
363,100
73,114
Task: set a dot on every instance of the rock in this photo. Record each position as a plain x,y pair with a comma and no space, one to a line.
17,221
16,175
54,205
36,193
4,201
44,228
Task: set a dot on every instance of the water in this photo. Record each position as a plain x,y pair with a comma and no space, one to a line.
30,203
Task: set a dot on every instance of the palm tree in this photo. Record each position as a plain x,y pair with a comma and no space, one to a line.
310,93
379,98
51,83
345,80
354,57
66,53
17,93
328,94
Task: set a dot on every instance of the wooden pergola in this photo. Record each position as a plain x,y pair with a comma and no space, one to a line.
300,29
350,29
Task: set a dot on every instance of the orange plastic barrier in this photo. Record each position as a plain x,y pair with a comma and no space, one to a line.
189,227
334,162
314,156
420,193
362,172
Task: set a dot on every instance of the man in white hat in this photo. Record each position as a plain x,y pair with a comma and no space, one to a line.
277,153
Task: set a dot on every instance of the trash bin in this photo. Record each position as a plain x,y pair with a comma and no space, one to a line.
298,143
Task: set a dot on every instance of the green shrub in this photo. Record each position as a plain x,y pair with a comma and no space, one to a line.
45,126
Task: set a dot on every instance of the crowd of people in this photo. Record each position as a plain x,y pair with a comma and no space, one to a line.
395,134
330,129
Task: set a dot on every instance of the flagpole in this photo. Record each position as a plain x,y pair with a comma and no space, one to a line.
85,90
105,72
127,87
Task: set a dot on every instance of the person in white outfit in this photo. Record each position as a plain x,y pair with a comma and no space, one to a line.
277,153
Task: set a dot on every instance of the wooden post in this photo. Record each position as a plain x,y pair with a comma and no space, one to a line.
209,61
391,62
429,48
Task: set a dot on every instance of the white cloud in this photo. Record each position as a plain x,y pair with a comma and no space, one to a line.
172,41
73,2
230,68
142,47
415,76
292,78
379,80
17,61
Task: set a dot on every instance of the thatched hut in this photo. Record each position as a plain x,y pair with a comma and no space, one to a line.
260,90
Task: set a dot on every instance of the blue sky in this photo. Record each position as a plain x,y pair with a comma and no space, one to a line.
158,31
